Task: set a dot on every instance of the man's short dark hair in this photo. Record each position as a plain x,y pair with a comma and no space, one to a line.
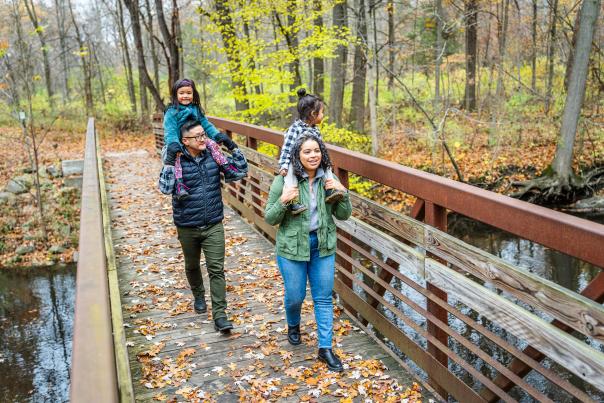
187,126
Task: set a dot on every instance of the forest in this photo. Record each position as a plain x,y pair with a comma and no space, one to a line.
505,95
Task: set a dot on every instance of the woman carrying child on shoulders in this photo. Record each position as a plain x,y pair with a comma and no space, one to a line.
306,241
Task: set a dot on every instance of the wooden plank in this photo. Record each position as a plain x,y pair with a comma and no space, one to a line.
407,257
443,326
122,366
570,308
585,362
264,161
455,386
388,219
248,213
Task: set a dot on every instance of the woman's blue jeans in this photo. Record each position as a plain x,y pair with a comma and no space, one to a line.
320,273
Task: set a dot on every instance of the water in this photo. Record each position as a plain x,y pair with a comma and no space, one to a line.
542,261
562,269
36,323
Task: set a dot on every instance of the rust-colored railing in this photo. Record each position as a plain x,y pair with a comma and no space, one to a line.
100,370
475,324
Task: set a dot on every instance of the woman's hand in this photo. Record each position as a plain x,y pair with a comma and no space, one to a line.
334,184
283,172
289,194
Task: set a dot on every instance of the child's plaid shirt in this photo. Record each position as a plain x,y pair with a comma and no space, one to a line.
167,180
291,135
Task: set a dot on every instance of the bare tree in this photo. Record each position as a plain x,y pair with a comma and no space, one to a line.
471,24
439,51
33,17
551,43
359,80
318,62
534,47
562,164
338,66
133,10
390,10
84,55
227,32
62,31
171,39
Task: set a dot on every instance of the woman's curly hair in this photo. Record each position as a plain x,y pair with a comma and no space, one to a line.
295,153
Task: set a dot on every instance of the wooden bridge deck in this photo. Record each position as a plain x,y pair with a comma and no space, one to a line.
176,354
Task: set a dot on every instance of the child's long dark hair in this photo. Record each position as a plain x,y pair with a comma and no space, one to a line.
185,82
309,105
295,153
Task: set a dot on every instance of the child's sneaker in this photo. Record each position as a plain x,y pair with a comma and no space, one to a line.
333,195
231,174
181,191
297,208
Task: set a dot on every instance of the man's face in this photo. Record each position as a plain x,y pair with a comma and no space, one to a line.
195,140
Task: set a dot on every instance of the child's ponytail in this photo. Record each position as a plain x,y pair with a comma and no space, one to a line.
309,105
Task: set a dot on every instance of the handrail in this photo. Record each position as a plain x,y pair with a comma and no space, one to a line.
93,372
568,234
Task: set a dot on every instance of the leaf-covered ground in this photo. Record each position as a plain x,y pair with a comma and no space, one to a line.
20,222
176,355
516,155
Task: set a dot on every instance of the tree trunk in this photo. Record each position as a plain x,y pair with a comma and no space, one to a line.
318,62
84,55
390,10
438,52
471,53
227,32
534,50
373,83
562,164
170,39
338,67
60,14
126,56
133,9
551,44
154,56
571,53
357,102
95,56
33,17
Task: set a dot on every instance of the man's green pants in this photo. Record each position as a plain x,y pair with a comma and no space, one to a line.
211,240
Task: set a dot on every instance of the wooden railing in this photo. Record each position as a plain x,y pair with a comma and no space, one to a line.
475,324
100,370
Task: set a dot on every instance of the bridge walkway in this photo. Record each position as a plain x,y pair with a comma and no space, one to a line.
176,354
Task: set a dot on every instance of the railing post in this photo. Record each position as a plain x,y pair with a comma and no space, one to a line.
347,250
436,216
253,144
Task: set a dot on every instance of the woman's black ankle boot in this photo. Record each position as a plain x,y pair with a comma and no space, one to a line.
327,356
293,335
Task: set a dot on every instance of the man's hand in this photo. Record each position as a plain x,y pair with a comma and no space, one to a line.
289,194
283,172
334,184
226,140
